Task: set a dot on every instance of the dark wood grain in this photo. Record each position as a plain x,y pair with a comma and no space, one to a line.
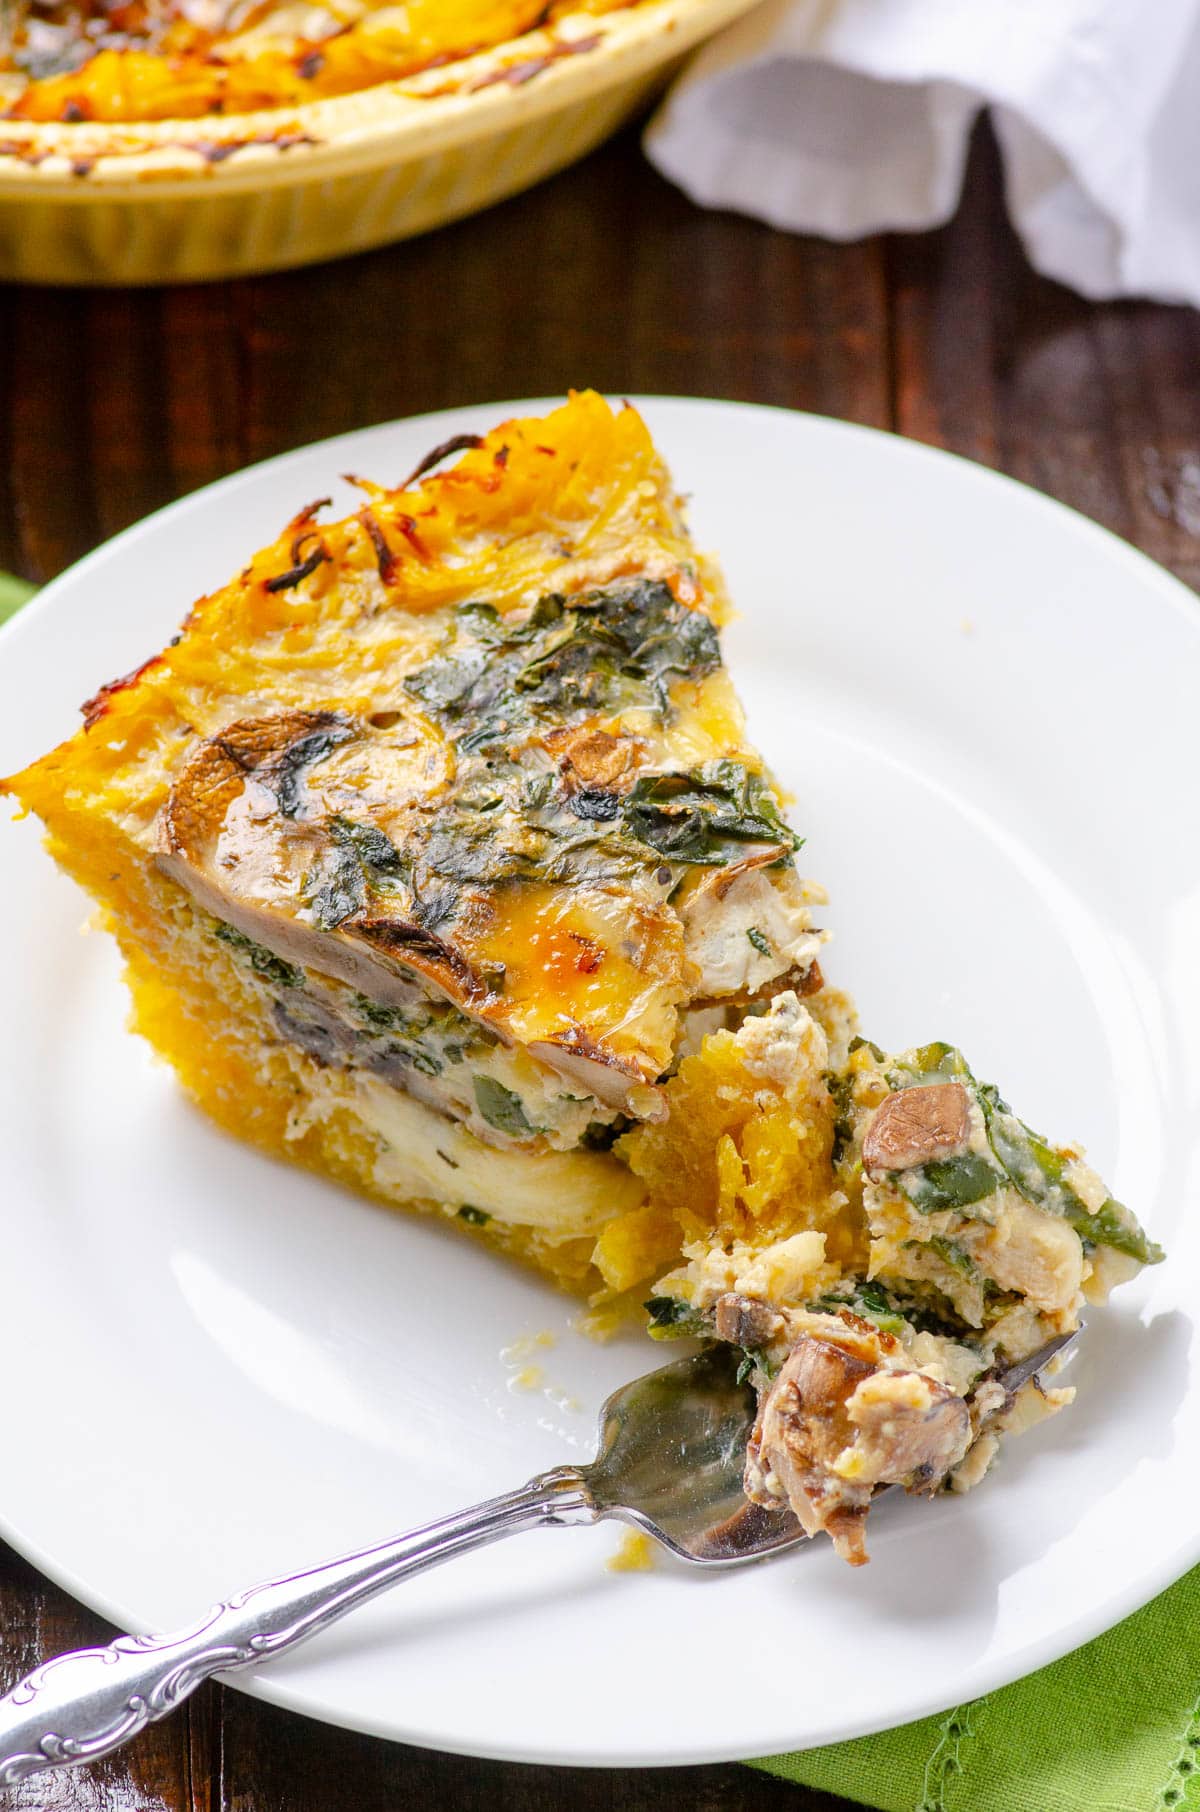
1099,405
111,404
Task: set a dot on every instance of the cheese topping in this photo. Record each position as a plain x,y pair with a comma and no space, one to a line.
79,60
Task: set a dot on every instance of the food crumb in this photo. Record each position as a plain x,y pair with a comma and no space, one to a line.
528,1378
967,626
601,1321
526,1345
634,1554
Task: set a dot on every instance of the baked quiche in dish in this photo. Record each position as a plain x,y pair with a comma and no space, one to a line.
150,141
78,60
441,862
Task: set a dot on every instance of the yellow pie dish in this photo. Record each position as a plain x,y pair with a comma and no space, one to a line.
103,201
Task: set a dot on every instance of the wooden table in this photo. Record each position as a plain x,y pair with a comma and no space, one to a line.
112,403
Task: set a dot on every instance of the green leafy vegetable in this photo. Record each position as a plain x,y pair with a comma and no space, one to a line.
426,1035
502,1109
1038,1171
361,862
953,1255
287,774
938,1060
759,941
599,651
873,1302
841,1093
673,1319
705,817
867,1300
1023,1158
13,593
376,852
272,968
474,1217
949,1182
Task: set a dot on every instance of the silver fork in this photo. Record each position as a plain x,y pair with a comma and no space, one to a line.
671,1450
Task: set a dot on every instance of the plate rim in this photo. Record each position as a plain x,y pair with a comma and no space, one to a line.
978,1678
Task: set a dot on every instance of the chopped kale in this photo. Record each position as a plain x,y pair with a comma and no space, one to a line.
497,681
758,939
287,774
866,1300
361,861
502,1108
379,1016
707,816
841,1093
599,651
341,889
949,1182
872,1298
595,803
377,853
425,1036
953,1255
894,1308
1039,1172
673,1319
264,962
467,846
751,1361
474,1217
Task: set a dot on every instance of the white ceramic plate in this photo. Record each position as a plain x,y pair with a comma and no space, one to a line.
218,1368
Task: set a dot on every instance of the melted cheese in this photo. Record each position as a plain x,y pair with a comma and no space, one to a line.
179,61
422,1154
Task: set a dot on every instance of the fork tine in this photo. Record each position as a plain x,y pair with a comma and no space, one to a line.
1025,1369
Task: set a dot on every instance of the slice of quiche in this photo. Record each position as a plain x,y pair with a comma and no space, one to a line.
441,863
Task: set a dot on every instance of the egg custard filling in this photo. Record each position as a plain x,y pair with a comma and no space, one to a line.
137,60
441,863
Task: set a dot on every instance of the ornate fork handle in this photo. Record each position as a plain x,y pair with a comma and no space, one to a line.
84,1705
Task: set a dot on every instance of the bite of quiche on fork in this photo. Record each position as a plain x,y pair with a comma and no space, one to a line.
441,863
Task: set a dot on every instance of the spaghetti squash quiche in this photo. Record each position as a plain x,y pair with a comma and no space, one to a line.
135,60
441,862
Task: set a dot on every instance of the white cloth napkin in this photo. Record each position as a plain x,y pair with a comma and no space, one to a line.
847,117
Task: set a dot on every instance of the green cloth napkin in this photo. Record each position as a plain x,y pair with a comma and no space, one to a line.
13,593
1115,1727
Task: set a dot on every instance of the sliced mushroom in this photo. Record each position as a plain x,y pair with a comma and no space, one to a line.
915,1125
801,1428
616,1081
234,832
217,773
590,757
743,1321
832,1427
247,827
911,1431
